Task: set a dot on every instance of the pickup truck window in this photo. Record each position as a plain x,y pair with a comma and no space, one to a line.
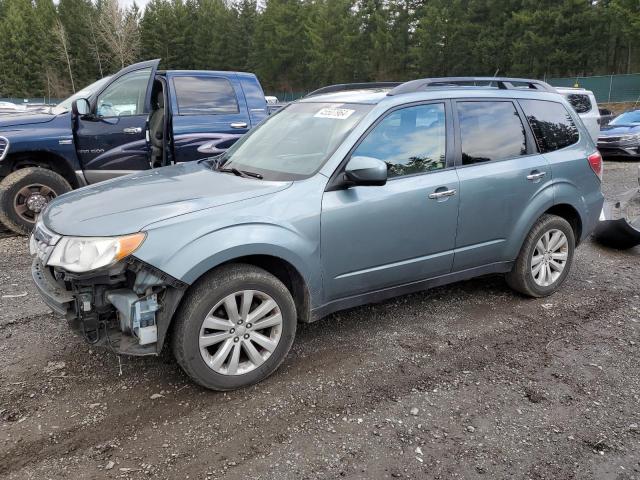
295,142
205,96
125,96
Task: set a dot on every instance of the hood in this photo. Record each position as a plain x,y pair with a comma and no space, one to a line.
24,118
128,204
619,130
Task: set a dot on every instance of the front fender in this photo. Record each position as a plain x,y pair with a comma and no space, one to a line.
188,261
54,138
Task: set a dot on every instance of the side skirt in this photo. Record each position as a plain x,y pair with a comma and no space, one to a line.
391,292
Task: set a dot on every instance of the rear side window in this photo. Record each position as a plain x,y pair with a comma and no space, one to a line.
490,131
205,96
580,103
551,123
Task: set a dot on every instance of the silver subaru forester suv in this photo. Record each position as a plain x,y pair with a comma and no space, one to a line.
352,195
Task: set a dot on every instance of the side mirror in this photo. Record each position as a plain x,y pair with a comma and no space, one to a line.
366,171
80,107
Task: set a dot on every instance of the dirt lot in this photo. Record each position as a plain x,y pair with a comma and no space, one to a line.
466,381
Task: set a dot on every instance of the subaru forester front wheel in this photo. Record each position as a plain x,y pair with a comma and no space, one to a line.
234,328
545,258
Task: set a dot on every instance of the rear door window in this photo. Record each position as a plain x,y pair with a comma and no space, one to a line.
551,123
490,131
205,96
580,102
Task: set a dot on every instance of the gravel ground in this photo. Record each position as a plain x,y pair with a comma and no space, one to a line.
465,381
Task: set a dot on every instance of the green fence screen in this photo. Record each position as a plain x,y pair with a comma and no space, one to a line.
607,88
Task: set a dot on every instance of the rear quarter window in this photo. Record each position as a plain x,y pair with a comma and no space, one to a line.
581,103
205,96
551,123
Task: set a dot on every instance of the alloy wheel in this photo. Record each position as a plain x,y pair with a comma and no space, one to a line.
240,332
31,199
549,257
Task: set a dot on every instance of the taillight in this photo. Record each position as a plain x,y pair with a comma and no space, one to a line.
595,160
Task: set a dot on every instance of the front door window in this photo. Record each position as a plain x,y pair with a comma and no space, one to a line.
126,96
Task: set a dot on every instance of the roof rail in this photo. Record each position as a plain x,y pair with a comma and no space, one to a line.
502,83
341,87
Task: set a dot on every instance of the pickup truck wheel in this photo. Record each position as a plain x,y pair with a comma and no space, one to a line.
234,327
24,193
545,258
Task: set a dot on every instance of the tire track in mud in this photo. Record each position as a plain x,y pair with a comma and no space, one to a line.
392,382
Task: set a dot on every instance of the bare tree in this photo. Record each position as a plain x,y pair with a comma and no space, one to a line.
119,31
63,47
94,41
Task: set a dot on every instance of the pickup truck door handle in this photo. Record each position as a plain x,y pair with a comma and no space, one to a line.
238,125
535,175
132,130
442,194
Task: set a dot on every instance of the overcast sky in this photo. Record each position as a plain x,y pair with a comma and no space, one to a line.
140,3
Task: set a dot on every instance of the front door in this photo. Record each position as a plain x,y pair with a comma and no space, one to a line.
500,173
110,141
404,231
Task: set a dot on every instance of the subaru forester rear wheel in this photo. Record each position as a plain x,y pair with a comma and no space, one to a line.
234,328
545,258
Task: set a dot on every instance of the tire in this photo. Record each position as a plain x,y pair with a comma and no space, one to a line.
522,278
216,288
29,189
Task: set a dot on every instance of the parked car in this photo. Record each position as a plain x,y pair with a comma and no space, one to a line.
584,103
10,107
340,199
606,116
621,138
137,119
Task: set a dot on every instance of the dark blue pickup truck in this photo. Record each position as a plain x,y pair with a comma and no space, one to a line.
137,119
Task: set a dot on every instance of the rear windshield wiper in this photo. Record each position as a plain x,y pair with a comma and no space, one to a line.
241,173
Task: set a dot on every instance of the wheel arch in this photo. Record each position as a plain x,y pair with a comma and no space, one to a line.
43,159
571,215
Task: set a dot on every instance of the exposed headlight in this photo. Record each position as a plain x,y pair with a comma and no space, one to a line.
83,254
635,137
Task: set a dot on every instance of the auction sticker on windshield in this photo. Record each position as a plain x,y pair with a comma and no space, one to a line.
336,113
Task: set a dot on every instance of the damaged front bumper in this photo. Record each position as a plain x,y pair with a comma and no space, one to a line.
127,306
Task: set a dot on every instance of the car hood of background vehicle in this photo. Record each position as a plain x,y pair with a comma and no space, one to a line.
619,130
18,119
128,204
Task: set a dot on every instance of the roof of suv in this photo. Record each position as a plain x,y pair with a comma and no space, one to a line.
432,89
375,96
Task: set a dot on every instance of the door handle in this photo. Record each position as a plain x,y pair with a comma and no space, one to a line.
238,125
132,130
536,176
445,193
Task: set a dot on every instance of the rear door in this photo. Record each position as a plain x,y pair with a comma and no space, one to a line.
501,173
209,113
110,141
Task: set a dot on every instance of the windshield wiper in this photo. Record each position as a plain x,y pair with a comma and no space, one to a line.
241,173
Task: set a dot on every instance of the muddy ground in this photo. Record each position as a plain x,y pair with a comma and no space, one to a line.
465,381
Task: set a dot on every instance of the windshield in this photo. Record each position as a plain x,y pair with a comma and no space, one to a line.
628,118
65,105
295,142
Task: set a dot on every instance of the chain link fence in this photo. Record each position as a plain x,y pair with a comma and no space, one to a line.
606,88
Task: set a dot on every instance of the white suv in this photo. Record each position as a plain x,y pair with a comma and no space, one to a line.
584,103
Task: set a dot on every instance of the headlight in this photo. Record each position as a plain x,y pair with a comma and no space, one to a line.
635,137
83,254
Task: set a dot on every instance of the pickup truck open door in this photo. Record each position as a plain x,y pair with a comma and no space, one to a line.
110,139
